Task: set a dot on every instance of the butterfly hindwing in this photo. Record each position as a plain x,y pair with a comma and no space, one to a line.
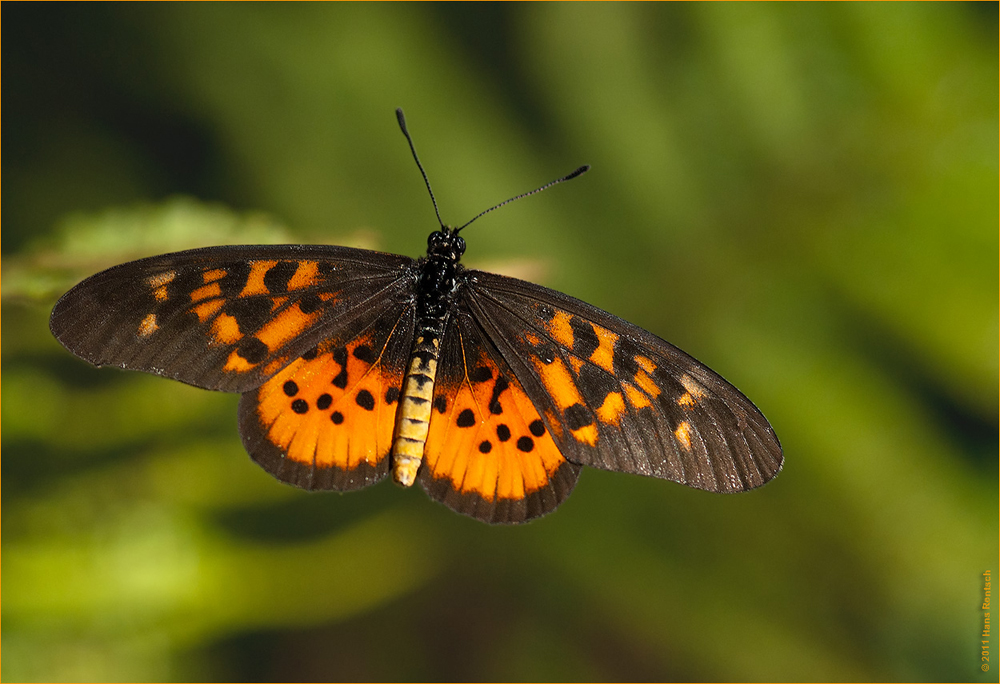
619,398
326,420
489,454
225,318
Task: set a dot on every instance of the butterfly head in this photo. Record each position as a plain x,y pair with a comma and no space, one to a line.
446,243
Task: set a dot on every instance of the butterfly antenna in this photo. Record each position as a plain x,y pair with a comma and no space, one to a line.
402,126
579,172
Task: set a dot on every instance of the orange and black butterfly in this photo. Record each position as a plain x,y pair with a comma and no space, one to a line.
492,392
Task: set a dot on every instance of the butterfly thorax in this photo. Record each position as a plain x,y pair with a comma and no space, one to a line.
438,280
438,273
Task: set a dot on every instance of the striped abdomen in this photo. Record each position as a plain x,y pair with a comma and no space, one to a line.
414,413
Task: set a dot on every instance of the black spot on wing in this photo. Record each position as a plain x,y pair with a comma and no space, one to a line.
365,400
340,358
235,279
480,374
584,338
251,313
537,428
578,416
252,349
310,303
364,353
595,384
498,388
624,358
277,277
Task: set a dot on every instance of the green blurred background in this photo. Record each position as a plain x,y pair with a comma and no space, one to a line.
802,196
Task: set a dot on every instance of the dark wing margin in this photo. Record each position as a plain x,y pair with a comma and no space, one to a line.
618,397
226,318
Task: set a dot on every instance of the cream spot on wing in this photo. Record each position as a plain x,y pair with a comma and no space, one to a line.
148,326
683,435
692,386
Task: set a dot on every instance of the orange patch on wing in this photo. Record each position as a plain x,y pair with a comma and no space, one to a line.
208,309
285,326
588,434
237,364
213,275
686,401
558,383
560,329
635,397
646,384
159,283
148,326
315,422
278,302
306,275
506,455
226,330
645,364
206,292
255,281
612,409
603,356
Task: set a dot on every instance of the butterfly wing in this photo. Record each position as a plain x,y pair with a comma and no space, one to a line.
616,397
326,420
226,318
316,338
489,453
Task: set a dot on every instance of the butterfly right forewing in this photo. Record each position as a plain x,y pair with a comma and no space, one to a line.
629,401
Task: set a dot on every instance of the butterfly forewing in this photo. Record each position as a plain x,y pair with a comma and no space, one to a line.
619,398
226,318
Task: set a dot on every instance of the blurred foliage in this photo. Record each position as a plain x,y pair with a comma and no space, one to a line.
803,196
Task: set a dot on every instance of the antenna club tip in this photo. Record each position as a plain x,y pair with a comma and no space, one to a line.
400,118
579,172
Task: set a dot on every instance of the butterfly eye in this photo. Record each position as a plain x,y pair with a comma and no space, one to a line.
435,239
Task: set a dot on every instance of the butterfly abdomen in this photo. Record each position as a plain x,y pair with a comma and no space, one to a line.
414,413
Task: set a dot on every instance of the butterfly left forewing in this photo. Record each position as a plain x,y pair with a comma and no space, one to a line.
628,400
224,318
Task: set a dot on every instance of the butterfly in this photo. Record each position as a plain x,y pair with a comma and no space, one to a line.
491,392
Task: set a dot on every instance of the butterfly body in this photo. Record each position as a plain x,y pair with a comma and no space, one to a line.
489,391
